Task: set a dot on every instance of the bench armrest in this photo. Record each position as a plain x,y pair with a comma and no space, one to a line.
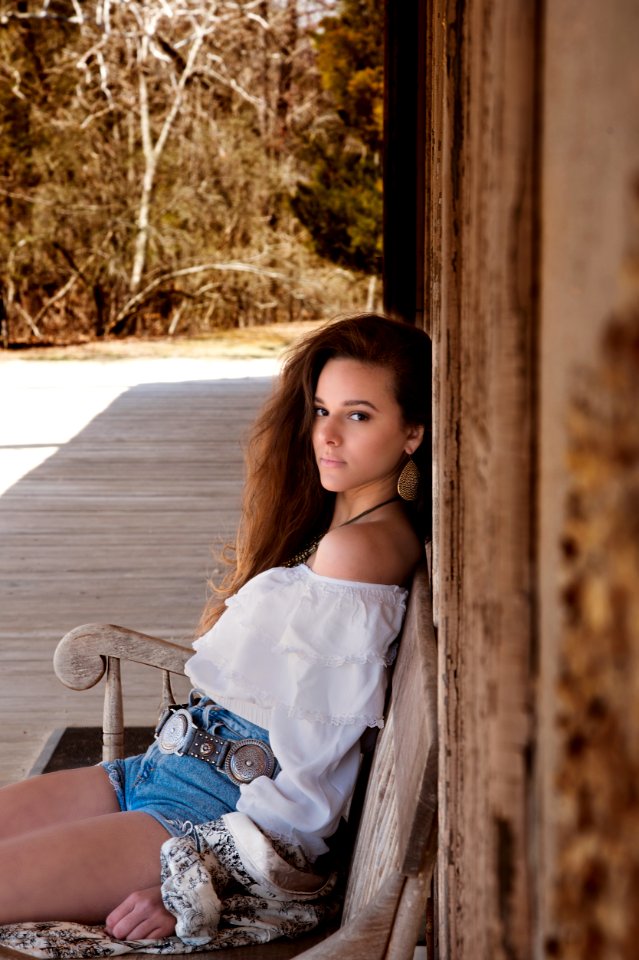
80,657
87,653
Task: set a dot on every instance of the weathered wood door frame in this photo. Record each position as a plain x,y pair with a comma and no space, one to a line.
530,290
471,148
482,117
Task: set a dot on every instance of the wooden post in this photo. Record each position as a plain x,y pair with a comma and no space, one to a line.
532,293
113,713
482,116
587,823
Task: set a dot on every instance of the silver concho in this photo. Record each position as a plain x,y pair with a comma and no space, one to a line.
172,736
248,760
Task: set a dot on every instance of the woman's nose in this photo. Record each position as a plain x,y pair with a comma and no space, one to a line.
329,432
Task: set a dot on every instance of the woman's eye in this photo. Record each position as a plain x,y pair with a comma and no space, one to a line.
321,412
358,415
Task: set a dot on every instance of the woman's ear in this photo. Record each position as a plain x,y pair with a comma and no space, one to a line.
414,437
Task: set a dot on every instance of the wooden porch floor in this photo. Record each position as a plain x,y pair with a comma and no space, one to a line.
115,526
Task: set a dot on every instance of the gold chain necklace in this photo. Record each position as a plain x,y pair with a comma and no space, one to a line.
310,548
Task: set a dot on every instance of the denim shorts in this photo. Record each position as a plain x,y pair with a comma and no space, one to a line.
180,792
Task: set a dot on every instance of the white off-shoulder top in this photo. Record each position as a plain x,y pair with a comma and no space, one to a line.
310,653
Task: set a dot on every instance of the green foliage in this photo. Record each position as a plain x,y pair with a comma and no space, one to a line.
341,206
351,62
340,201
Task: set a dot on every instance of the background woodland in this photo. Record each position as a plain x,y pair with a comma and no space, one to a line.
179,166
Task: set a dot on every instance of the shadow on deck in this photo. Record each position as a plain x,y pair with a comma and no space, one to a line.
116,526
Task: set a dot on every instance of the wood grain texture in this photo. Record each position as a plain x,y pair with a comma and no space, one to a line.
414,709
399,809
588,533
89,652
481,299
116,526
409,916
365,936
79,658
376,852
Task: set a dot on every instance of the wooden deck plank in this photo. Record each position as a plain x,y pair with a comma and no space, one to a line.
117,525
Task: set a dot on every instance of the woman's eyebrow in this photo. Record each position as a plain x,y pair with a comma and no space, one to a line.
352,403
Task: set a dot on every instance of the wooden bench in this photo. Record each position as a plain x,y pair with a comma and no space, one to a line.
394,851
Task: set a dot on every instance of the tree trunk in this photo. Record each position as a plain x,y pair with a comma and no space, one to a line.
153,151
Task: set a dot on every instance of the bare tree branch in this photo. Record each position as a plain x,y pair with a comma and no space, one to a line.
62,292
230,82
234,266
28,318
145,155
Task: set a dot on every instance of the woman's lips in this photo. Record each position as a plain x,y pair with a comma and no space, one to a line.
331,462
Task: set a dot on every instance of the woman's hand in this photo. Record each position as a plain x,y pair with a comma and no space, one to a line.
142,916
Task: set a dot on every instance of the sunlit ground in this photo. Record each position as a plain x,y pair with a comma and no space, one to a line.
48,395
245,343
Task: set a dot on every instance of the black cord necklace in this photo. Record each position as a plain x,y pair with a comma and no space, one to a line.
304,554
365,512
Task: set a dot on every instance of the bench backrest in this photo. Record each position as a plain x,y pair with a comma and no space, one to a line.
398,818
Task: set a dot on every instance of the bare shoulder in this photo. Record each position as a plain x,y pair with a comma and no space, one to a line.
375,552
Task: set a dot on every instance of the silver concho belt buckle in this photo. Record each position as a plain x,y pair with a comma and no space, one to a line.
247,760
176,733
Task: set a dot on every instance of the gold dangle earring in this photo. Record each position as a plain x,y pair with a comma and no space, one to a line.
408,481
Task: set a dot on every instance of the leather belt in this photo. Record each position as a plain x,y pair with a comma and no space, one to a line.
241,760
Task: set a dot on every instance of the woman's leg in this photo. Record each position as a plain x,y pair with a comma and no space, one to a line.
55,798
79,870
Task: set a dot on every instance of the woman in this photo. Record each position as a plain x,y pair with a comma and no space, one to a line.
295,666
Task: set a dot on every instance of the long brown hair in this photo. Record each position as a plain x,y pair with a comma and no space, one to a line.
284,505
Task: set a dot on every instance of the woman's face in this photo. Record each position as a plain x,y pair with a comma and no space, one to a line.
359,433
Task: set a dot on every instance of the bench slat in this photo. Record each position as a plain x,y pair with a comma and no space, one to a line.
414,709
376,852
399,809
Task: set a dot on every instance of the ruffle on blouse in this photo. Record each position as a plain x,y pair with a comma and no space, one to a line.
316,646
